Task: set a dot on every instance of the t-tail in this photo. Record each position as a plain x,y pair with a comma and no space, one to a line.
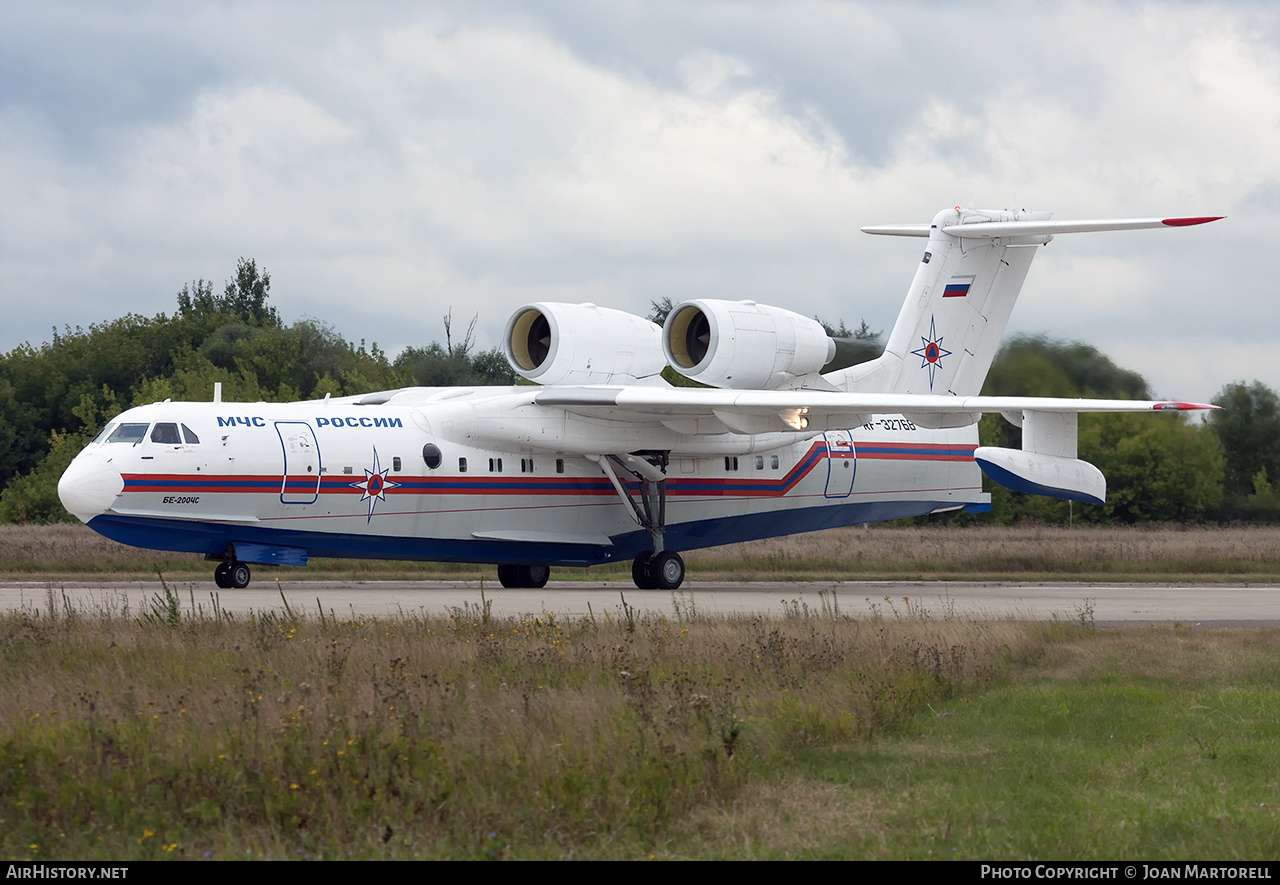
959,303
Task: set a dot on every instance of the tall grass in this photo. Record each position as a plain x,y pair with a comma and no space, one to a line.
171,733
179,731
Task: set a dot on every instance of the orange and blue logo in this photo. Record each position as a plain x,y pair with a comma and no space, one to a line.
931,352
373,488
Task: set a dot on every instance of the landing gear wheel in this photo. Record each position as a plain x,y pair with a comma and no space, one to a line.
640,573
667,570
222,576
524,576
239,574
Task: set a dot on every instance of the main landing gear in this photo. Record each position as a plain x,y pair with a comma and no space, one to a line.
659,569
524,576
233,574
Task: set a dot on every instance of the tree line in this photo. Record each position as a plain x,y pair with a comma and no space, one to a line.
54,398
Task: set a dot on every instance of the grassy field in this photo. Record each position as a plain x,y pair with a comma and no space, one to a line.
883,733
941,552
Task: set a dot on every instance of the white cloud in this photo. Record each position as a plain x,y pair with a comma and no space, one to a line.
383,172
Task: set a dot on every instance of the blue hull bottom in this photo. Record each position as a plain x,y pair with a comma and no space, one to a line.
293,547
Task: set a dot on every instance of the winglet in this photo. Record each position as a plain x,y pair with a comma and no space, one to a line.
1182,407
1187,222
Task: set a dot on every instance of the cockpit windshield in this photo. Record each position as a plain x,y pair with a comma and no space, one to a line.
166,434
128,433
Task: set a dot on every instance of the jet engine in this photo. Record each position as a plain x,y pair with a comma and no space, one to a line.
552,343
744,345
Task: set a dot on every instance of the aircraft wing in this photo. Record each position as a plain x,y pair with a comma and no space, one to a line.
757,411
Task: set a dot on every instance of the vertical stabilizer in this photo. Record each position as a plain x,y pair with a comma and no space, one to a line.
956,310
964,290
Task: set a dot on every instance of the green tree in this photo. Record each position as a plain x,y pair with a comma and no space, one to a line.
244,297
1158,467
1248,425
33,497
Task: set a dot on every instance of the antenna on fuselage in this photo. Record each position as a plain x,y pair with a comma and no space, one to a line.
217,391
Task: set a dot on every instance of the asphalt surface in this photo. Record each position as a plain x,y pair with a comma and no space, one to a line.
1202,605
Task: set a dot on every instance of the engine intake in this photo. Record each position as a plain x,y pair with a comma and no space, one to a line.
554,343
743,345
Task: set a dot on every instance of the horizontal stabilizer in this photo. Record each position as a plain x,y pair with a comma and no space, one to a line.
1039,474
1031,228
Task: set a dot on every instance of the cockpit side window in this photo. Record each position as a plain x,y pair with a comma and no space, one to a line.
167,434
190,437
103,433
128,433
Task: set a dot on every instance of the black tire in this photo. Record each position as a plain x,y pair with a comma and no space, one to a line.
667,570
640,573
509,576
222,576
239,575
536,576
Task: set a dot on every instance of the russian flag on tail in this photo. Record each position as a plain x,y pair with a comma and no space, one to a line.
958,287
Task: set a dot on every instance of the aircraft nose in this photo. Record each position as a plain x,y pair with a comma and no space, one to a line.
89,486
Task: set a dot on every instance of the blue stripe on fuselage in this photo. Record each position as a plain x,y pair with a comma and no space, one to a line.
213,538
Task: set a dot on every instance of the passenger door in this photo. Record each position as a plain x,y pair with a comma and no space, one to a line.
300,483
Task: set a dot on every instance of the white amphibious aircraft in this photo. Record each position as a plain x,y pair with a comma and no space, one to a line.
604,461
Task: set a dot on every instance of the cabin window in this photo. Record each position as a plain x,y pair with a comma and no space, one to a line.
731,463
495,465
559,465
526,465
462,465
431,456
346,471
395,464
759,462
129,433
773,462
189,436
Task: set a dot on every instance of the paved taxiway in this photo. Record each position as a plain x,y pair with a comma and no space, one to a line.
1205,605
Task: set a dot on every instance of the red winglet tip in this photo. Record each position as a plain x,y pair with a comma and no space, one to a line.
1182,407
1187,222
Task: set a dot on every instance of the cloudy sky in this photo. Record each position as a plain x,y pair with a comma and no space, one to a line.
389,161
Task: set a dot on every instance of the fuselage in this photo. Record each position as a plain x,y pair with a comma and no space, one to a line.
482,475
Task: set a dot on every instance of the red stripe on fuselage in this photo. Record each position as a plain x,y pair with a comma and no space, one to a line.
745,484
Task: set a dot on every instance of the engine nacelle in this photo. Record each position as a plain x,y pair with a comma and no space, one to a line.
552,343
744,345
